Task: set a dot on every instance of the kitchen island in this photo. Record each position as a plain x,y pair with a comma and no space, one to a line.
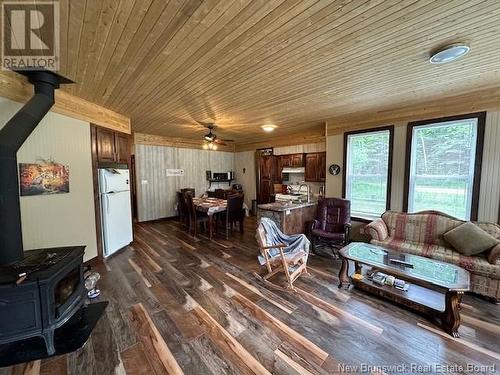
291,218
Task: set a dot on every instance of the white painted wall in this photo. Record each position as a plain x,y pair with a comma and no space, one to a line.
489,197
61,219
247,178
156,192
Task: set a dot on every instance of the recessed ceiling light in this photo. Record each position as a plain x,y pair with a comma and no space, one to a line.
268,127
449,53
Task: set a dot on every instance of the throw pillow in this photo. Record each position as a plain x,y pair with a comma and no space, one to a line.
468,239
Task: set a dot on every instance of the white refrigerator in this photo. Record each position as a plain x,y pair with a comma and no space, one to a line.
116,212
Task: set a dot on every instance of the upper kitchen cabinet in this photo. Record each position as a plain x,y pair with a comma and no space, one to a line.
285,161
315,168
105,140
111,147
296,160
122,147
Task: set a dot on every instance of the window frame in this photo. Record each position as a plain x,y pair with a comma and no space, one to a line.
476,183
378,129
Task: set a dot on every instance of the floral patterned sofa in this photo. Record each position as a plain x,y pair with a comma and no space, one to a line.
422,234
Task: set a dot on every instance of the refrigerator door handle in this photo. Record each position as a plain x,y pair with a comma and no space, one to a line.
105,179
107,204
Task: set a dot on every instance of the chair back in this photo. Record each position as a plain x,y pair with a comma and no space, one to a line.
261,237
181,204
235,207
191,190
190,205
220,193
212,194
333,214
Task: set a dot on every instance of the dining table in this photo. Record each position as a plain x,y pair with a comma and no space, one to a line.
212,206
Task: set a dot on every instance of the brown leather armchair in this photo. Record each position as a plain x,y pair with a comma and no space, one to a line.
332,224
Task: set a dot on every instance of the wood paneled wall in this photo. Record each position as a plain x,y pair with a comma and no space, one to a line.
303,148
473,101
16,87
156,192
489,197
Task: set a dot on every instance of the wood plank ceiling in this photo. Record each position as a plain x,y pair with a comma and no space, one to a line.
293,63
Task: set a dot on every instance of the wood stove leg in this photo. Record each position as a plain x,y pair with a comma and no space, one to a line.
49,342
451,316
344,280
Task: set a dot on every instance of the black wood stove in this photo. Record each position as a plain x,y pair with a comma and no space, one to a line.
42,293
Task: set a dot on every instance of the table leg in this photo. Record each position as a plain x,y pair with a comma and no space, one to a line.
210,225
344,280
451,316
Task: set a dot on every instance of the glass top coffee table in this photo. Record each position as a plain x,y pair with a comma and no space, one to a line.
434,287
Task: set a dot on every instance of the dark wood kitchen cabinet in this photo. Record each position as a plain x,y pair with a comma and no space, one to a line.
296,160
265,167
105,140
322,167
111,146
315,168
268,174
285,161
122,147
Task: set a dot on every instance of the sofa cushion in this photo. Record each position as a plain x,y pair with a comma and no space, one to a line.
468,239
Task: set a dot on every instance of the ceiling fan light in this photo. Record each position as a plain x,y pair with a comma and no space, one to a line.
449,53
268,127
209,137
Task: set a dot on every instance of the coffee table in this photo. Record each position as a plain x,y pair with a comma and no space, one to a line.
436,288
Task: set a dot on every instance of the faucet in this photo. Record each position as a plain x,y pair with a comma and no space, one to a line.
307,191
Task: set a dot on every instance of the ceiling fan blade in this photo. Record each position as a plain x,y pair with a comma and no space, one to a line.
220,142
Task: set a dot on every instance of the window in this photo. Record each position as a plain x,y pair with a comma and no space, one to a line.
367,171
444,165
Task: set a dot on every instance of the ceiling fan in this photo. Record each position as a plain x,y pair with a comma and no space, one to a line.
211,138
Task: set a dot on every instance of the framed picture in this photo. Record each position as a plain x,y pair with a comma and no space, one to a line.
43,179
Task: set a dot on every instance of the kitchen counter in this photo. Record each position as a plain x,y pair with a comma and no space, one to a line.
291,218
284,206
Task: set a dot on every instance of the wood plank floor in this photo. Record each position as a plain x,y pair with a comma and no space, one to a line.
184,305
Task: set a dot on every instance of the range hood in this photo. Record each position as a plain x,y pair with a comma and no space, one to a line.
296,170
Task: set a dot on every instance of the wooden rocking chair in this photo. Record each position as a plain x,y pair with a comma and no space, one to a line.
293,265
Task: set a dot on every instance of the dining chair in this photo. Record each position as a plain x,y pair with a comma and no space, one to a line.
211,194
182,208
234,213
221,193
191,190
195,217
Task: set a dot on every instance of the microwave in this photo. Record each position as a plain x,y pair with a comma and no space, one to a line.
223,176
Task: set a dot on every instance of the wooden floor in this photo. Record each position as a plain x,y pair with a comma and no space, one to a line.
185,305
